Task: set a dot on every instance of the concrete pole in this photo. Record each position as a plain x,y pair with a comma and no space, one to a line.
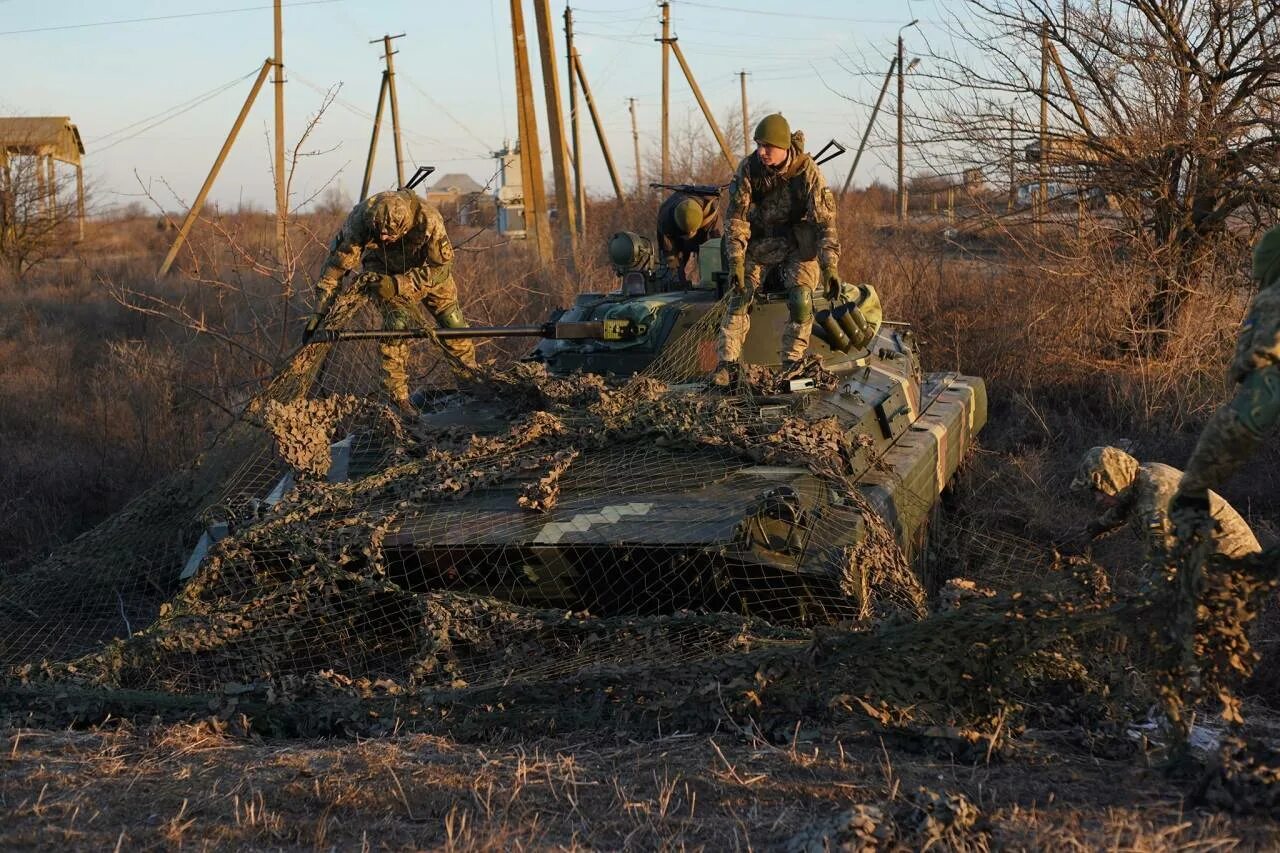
387,52
282,201
535,204
213,172
635,142
580,191
666,91
875,111
595,119
1013,162
1043,194
902,173
373,139
702,102
555,124
746,134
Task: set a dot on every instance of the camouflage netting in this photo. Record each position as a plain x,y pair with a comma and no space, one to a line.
355,570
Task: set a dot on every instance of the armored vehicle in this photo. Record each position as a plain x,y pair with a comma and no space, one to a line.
652,526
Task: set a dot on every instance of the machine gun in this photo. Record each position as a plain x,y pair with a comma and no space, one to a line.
705,190
622,329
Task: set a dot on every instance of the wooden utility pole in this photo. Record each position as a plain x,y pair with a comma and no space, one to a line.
875,111
282,202
387,53
213,172
1043,194
746,134
706,110
666,90
595,119
902,173
555,123
635,142
535,204
373,139
570,53
1013,162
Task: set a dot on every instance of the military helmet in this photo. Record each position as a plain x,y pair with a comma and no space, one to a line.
390,214
1266,257
688,216
1107,469
774,130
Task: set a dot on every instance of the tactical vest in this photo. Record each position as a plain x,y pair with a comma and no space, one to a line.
800,230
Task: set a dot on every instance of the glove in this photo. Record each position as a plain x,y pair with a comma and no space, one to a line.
383,285
831,279
313,323
738,276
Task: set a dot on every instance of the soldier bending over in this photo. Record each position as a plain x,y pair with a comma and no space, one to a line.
401,244
685,222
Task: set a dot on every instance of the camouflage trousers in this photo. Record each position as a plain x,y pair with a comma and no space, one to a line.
797,275
404,311
1235,431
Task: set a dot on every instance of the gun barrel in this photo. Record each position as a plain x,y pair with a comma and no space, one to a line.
535,330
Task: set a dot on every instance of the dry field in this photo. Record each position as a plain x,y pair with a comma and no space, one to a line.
98,400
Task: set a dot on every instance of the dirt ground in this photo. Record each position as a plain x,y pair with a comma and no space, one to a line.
198,786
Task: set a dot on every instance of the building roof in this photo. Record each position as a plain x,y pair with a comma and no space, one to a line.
456,182
35,135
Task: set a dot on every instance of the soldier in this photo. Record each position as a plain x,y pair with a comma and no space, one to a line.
1140,495
1237,429
401,243
780,216
685,222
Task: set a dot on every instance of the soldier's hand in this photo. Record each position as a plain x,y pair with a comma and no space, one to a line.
738,277
313,323
382,285
831,279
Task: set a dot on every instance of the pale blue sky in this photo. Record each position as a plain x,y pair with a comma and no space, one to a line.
454,72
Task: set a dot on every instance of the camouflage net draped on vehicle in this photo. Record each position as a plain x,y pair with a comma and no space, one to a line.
354,570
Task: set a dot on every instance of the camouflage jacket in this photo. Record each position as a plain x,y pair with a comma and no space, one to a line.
423,256
773,212
673,246
1145,506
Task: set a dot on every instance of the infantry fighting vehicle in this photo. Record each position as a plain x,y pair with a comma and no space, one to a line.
647,528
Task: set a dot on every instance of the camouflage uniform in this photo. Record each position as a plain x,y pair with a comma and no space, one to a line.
415,266
1143,494
780,218
675,247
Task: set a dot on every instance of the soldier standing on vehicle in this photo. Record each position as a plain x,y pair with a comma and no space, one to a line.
1139,495
1238,428
780,216
402,246
685,221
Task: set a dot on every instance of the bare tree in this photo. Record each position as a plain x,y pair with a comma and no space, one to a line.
1166,107
38,215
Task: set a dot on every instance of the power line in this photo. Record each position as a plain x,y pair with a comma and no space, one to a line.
163,17
685,3
188,104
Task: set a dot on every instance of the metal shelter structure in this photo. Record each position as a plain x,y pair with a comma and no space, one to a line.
49,140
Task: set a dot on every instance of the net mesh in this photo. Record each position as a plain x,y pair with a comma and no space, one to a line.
547,551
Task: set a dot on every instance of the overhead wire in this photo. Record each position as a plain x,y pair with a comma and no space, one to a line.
205,14
168,115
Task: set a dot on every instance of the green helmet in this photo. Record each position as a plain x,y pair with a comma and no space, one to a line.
390,214
1107,469
1266,257
688,216
774,130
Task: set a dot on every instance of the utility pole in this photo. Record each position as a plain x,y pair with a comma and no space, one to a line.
570,53
595,120
194,212
635,142
282,203
535,204
555,123
702,102
1044,124
875,111
373,139
902,177
387,53
666,90
1013,163
746,134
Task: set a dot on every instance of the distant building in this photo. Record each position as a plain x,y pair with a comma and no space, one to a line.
509,196
461,198
46,140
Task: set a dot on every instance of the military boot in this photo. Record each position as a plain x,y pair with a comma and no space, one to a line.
725,374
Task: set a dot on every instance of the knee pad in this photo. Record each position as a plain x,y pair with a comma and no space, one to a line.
451,318
1257,402
800,304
